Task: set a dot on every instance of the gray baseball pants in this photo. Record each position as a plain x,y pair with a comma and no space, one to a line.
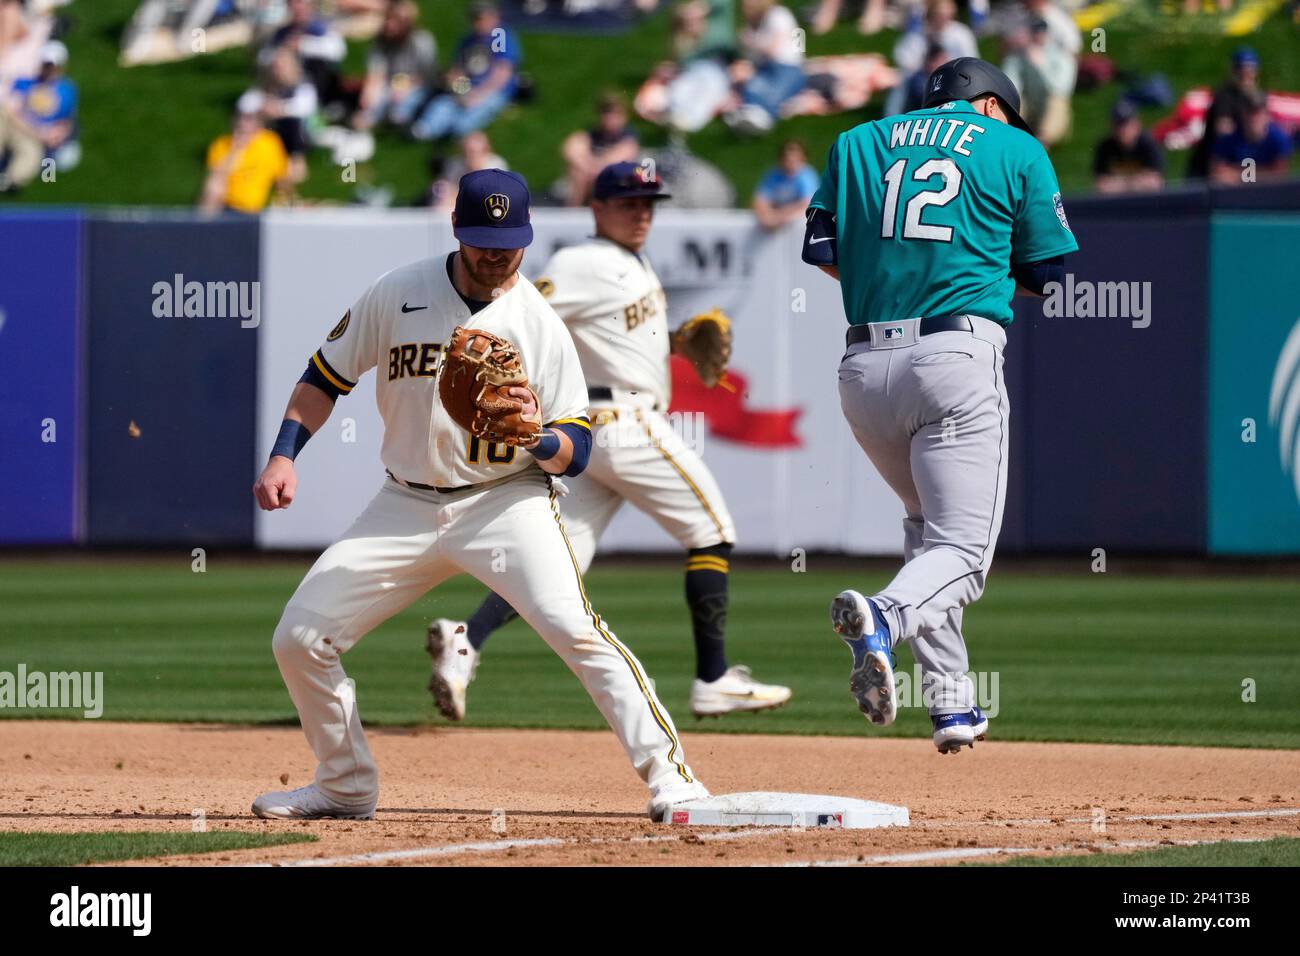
931,413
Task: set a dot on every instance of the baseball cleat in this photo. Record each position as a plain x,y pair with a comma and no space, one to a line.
736,690
454,664
308,803
664,799
954,731
859,625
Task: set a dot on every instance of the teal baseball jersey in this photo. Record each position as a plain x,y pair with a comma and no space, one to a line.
931,210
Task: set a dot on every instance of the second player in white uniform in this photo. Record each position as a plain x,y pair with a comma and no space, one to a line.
451,504
608,295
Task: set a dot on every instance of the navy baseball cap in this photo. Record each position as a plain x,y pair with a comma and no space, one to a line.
620,180
492,210
1244,56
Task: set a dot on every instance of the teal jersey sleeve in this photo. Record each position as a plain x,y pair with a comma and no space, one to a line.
1041,230
828,189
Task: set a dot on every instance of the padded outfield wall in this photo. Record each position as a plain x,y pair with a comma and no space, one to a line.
1127,432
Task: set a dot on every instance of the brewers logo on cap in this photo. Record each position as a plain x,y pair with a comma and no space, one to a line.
497,206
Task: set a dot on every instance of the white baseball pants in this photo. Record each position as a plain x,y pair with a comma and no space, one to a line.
640,458
510,537
932,416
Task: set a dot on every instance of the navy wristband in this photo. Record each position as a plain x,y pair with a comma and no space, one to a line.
548,447
293,436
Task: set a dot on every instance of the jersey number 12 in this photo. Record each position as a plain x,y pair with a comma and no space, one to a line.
913,227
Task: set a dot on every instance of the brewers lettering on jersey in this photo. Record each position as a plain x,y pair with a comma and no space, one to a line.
930,221
449,505
608,295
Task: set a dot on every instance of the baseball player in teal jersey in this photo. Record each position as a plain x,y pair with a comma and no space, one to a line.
930,221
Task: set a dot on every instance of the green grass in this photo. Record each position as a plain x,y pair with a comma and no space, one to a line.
1279,851
145,129
78,849
1083,657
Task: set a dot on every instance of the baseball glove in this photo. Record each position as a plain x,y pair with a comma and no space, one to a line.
705,341
478,370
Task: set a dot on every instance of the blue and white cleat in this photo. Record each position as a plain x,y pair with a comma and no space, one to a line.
859,625
954,731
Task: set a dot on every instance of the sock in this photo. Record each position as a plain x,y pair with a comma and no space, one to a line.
706,596
493,613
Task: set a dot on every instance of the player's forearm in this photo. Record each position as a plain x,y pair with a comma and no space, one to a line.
565,447
308,410
560,461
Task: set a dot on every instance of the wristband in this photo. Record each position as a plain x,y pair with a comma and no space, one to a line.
547,447
293,436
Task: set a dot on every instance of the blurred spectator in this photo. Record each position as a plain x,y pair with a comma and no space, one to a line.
288,102
1257,138
23,32
399,70
1227,109
1129,159
482,78
704,42
39,121
587,152
912,51
870,22
245,165
772,69
913,90
784,192
319,46
1044,73
475,154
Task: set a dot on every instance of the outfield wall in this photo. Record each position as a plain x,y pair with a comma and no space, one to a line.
1128,431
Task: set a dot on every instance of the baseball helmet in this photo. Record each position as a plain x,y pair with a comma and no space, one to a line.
968,77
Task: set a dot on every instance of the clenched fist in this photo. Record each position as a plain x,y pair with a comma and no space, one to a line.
276,485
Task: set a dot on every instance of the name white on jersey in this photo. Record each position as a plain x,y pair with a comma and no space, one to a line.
615,308
400,326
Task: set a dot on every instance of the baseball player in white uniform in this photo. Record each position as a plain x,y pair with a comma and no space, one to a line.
449,502
607,293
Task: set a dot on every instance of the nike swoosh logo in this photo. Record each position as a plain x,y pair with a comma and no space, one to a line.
406,308
813,242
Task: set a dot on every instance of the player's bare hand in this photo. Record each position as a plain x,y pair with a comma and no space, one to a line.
526,397
276,486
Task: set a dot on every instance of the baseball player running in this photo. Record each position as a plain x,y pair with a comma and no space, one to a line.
613,303
452,499
929,220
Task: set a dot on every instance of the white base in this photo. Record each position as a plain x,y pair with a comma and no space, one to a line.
795,810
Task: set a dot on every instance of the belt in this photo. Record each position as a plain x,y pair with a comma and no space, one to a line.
446,491
603,393
929,326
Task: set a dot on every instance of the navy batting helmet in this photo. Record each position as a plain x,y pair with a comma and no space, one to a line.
968,77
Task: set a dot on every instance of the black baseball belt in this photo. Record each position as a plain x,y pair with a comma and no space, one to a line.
482,485
929,326
603,393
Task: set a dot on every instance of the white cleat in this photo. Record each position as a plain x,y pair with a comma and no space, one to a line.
734,691
308,803
664,799
454,664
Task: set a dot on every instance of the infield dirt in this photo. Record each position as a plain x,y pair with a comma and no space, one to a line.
569,798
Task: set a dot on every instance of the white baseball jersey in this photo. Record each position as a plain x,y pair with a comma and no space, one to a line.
400,326
616,310
614,306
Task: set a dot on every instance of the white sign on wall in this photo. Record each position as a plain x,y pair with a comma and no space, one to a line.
789,336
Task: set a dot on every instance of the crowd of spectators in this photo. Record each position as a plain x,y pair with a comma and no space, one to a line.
741,61
302,98
38,101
